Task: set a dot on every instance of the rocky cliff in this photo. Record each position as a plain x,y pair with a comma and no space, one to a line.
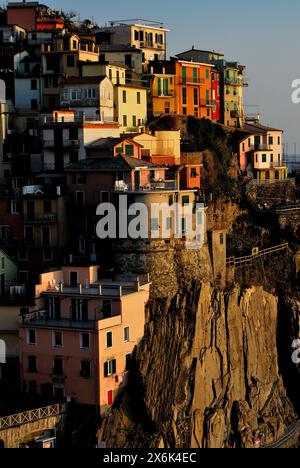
206,374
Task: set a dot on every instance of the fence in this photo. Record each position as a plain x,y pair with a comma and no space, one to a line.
236,262
28,417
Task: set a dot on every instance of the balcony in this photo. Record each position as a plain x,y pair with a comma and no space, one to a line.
44,218
261,148
207,102
236,82
11,292
191,82
73,144
41,318
159,186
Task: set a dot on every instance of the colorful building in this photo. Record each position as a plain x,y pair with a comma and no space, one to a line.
260,152
61,59
130,107
79,340
150,37
162,97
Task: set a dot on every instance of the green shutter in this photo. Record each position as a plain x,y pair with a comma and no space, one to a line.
195,74
184,74
159,86
166,87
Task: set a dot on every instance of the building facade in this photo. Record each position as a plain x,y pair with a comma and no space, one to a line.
78,342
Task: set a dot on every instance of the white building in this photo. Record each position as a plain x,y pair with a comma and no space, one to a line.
27,82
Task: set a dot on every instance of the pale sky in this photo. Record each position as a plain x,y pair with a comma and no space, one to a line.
263,35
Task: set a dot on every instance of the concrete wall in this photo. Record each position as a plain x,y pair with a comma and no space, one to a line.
13,437
131,107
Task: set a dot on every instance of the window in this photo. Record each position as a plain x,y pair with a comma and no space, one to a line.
129,150
109,339
196,112
32,364
47,254
195,75
29,235
46,236
110,74
34,104
34,85
126,334
104,197
119,150
279,140
196,97
15,207
79,310
110,368
85,341
110,397
124,97
169,224
134,121
183,74
207,74
107,309
183,225
184,111
53,307
47,207
81,178
222,239
85,369
138,97
264,158
124,120
272,158
184,96
73,157
57,339
70,61
154,224
194,173
80,200
58,366
185,200
31,337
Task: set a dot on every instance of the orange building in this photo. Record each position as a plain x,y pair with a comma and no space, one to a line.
194,89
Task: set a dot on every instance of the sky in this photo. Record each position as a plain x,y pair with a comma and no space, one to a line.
264,35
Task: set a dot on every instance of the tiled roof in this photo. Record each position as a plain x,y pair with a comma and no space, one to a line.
108,164
258,128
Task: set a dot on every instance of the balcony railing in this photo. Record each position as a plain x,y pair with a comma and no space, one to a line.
166,185
191,81
236,82
10,292
66,144
261,148
207,102
40,218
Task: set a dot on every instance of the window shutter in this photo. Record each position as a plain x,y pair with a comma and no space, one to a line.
159,86
105,369
114,366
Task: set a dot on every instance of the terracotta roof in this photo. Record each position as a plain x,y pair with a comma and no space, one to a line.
258,129
110,143
109,164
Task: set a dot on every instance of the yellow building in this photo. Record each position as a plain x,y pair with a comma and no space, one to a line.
234,84
130,107
150,37
115,72
61,59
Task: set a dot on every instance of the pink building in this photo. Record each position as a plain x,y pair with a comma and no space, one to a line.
78,341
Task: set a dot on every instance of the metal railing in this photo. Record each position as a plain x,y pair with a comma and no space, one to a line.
165,185
10,291
236,262
40,218
31,416
261,148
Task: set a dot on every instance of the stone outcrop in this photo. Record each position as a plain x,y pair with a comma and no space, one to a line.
206,374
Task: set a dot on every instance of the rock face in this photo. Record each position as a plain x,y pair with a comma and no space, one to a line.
205,375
